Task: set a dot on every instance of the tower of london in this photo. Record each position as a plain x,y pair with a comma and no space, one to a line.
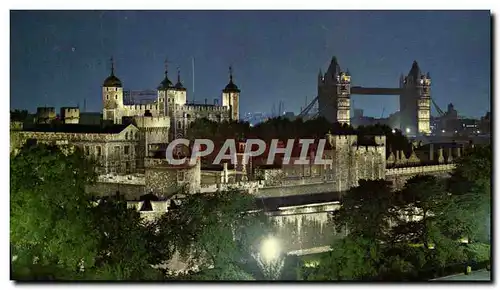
170,107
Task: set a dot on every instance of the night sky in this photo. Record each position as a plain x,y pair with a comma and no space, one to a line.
61,58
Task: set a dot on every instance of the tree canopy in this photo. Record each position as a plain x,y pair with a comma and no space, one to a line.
57,230
216,230
49,208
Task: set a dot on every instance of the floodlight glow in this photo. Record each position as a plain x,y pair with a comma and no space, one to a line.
270,249
407,130
393,131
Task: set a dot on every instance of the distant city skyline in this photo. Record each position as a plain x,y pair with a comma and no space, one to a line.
61,58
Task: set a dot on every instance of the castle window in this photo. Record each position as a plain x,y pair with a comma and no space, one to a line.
87,150
180,176
126,135
116,97
126,149
179,124
98,150
107,97
117,149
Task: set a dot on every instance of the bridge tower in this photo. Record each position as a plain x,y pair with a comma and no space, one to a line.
414,102
424,105
334,94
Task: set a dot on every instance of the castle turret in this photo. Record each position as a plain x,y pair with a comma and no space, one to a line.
231,97
178,86
112,95
70,115
45,115
179,91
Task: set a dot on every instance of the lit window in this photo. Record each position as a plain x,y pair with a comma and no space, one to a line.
180,176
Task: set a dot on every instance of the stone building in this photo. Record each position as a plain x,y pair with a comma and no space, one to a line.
351,161
112,147
171,102
165,180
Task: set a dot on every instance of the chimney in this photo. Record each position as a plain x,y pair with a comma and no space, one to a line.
431,152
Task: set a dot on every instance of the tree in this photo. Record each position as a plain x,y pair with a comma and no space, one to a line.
367,210
421,199
352,258
19,115
127,247
49,211
57,231
470,185
215,230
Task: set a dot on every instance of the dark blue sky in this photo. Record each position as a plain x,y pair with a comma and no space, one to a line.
61,58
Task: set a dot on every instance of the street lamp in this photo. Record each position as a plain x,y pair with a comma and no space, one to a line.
408,130
270,249
270,258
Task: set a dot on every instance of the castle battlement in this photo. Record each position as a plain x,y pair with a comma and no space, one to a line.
367,149
150,106
206,108
380,140
70,110
152,122
426,169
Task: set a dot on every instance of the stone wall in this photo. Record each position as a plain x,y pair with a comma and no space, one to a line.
130,191
399,176
165,181
307,226
307,188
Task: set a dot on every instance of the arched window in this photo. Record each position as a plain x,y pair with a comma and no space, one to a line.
179,124
126,135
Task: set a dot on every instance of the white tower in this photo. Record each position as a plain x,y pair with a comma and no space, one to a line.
231,97
112,97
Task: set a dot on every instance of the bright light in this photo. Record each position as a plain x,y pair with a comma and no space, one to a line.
270,249
407,130
443,131
393,131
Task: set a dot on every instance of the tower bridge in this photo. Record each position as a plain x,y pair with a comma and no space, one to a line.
335,90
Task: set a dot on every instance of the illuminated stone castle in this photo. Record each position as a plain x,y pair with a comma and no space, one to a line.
171,104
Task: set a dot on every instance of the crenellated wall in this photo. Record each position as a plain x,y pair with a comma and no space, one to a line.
399,176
